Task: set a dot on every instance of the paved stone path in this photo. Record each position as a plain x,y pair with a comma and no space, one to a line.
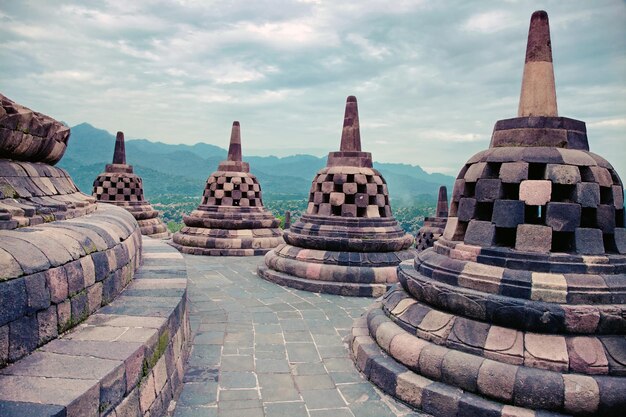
264,350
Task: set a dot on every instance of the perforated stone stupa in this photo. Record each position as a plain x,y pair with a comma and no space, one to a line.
348,242
120,186
61,255
433,227
231,219
519,309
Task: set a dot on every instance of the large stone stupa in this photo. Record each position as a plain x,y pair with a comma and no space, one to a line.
348,242
433,227
231,219
118,185
519,309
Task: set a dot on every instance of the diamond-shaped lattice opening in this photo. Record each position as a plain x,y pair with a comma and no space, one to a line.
588,217
510,191
469,190
563,193
484,210
534,214
493,170
505,236
562,241
606,195
536,171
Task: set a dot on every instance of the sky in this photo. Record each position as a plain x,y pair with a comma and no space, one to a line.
431,77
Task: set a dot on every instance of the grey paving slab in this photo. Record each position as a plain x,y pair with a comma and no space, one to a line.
260,349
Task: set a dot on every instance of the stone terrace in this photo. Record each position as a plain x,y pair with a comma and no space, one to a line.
260,349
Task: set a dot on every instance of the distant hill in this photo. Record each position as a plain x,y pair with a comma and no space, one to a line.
183,169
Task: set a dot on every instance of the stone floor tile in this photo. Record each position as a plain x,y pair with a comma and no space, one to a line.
333,412
322,398
285,409
311,382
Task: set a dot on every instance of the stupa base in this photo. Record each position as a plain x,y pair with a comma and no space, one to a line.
218,242
358,274
327,287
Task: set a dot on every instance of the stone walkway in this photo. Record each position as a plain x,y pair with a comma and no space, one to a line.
264,350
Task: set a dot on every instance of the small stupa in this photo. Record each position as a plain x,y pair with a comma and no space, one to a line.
231,219
433,227
120,186
348,242
519,309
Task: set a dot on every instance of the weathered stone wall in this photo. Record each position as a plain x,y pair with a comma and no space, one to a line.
53,276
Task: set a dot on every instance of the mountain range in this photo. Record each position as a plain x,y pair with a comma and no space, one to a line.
183,169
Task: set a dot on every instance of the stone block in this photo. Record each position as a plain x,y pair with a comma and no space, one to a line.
328,187
475,171
324,209
618,197
37,290
533,238
562,174
112,389
454,230
79,307
467,209
587,194
362,200
348,210
497,380
605,218
563,217
89,271
13,300
57,284
597,174
537,388
508,213
545,351
101,265
94,297
23,337
372,211
48,325
535,192
480,233
582,395
350,188
620,240
75,281
337,199
488,189
588,241
371,189
460,369
64,315
4,344
514,172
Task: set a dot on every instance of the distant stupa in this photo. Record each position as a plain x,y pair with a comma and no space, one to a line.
348,242
120,186
231,219
519,309
433,227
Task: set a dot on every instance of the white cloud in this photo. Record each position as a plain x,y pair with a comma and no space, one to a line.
488,22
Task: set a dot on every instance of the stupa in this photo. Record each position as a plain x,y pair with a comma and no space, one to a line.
347,242
231,219
519,309
120,186
61,256
433,227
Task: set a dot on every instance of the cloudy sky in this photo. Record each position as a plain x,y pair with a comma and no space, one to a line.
431,77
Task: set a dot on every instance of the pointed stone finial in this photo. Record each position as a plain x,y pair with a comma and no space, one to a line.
351,135
538,96
119,155
442,202
234,150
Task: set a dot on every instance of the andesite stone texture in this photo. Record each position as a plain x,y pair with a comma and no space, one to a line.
347,242
519,309
62,256
118,185
433,227
231,219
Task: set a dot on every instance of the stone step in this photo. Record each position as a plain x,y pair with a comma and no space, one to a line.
127,359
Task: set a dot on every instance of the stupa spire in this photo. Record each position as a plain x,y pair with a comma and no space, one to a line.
442,202
351,135
538,96
119,155
234,150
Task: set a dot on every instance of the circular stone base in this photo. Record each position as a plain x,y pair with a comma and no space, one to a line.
218,252
327,287
342,273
